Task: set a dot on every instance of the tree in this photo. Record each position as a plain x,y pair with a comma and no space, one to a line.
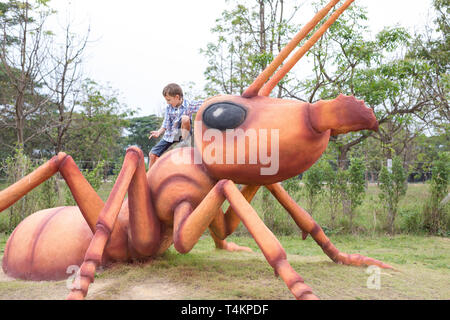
248,37
97,128
64,82
139,129
23,48
376,70
432,47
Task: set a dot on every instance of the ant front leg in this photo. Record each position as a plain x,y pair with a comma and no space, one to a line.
307,224
190,224
268,243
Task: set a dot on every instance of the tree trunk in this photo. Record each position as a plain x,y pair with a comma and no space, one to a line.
391,219
20,121
262,31
343,158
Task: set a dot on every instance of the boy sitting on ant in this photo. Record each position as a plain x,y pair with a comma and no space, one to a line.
177,124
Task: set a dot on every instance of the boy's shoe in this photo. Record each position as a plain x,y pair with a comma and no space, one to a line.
185,142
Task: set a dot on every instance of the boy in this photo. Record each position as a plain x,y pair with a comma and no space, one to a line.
177,118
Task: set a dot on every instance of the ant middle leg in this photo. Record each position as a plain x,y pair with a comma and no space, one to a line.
225,224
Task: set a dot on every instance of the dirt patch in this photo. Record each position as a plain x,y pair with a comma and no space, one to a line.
99,287
155,290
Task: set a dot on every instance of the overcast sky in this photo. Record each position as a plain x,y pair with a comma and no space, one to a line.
140,46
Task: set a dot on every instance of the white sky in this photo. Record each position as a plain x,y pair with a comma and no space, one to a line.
140,46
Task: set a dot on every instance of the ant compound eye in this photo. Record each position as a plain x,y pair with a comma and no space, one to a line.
224,115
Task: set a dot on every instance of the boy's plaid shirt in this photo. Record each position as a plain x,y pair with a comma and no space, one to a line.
173,115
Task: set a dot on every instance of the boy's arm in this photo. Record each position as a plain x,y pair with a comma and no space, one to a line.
157,134
163,128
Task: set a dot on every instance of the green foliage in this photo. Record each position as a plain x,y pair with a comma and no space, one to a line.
333,190
432,48
393,186
48,192
45,196
94,177
313,180
350,188
243,48
412,221
16,167
139,129
273,214
441,177
98,128
437,213
356,181
292,185
342,189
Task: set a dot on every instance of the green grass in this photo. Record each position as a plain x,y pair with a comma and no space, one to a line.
207,273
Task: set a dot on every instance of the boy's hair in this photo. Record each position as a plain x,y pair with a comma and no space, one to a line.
172,90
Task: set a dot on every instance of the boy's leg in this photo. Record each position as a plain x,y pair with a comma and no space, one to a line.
157,151
153,158
185,127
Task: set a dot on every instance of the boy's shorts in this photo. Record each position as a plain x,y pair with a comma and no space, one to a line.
163,145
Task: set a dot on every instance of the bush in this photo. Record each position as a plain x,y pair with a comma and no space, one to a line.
411,221
356,190
42,197
292,185
313,181
16,167
393,186
333,190
437,214
274,216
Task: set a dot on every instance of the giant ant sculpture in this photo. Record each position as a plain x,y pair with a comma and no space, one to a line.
180,197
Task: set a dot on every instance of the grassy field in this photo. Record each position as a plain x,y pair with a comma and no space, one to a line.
370,218
206,273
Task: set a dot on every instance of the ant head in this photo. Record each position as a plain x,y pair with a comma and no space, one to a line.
256,139
259,140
